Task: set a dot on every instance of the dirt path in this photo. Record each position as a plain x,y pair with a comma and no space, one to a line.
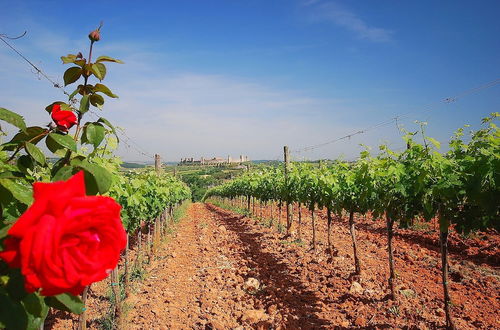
225,271
168,297
198,280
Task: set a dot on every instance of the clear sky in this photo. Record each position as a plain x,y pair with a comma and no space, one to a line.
218,78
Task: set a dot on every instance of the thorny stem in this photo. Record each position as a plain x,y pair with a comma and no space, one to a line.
86,76
80,115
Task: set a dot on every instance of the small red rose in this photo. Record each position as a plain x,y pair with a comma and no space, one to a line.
65,240
64,119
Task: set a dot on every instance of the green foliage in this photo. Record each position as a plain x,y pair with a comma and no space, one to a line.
200,179
144,196
461,186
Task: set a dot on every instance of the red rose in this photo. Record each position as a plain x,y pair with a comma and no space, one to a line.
65,240
64,119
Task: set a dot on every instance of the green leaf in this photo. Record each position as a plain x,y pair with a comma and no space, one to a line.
22,193
71,75
36,153
12,313
80,63
76,161
105,90
97,100
29,134
107,123
15,285
4,231
64,141
94,134
70,58
84,104
434,142
66,302
54,146
12,118
97,178
108,59
72,95
99,70
64,173
36,309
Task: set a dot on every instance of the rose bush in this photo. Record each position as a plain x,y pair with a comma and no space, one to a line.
64,119
65,240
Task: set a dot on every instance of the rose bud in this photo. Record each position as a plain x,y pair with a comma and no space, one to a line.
95,35
65,240
64,119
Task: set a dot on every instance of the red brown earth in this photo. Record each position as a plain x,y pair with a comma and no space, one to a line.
200,279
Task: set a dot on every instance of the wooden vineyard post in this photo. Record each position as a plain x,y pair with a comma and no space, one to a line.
164,223
272,215
289,213
300,221
149,245
82,320
126,275
313,228
156,236
279,215
392,274
329,230
248,196
115,287
443,240
352,229
157,163
139,246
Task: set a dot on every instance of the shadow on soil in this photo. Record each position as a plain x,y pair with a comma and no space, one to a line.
281,288
455,249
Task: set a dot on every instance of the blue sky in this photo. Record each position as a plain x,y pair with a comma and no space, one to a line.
218,78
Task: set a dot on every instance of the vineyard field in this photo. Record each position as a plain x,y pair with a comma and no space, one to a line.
366,210
198,277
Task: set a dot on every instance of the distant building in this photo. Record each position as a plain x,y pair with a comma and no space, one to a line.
215,161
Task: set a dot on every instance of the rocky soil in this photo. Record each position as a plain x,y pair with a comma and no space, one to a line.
221,270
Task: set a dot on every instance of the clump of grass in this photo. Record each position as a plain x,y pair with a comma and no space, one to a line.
394,310
105,322
408,293
297,242
421,226
137,275
180,211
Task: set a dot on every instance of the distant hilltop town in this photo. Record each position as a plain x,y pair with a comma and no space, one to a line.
216,161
